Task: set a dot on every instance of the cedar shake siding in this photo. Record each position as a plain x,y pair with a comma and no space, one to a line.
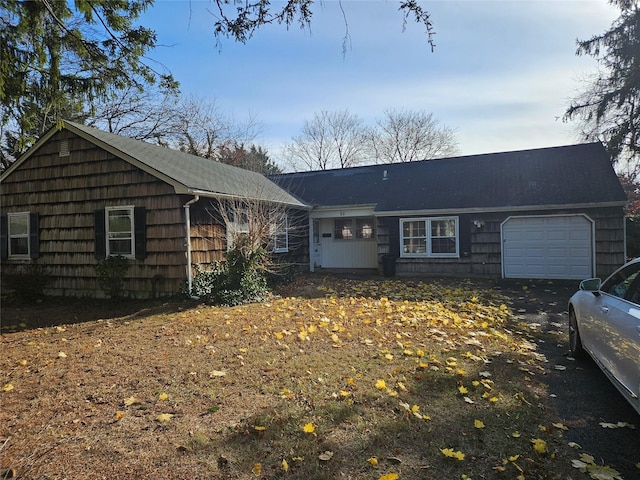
481,249
69,192
59,199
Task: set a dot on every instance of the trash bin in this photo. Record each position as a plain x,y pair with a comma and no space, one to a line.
388,265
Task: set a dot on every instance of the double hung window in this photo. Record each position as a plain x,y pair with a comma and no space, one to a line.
429,237
18,234
120,231
281,236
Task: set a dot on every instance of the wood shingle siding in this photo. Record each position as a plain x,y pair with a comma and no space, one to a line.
66,192
76,182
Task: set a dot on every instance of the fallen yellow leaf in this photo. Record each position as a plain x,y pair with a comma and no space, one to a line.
381,384
389,476
131,401
539,445
449,452
164,417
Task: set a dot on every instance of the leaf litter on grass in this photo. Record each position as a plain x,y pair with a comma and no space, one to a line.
397,371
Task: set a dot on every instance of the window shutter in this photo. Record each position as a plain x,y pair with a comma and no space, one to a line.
4,237
34,235
100,234
464,231
140,232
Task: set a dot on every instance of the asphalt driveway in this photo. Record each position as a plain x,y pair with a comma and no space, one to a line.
582,396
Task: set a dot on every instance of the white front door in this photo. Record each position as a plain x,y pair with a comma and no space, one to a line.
347,243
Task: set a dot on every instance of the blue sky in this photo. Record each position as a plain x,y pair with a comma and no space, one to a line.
501,75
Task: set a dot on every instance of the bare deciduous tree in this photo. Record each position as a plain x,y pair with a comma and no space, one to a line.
201,128
131,113
408,135
190,124
329,140
341,140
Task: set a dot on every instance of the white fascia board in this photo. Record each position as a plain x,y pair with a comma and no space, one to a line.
343,211
206,194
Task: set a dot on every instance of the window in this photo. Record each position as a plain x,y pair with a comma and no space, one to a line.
364,228
343,229
120,231
350,228
429,237
281,236
237,226
18,234
619,284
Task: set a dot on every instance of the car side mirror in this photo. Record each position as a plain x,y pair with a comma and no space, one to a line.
591,285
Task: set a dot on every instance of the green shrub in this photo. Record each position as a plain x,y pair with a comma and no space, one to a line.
111,272
207,281
240,279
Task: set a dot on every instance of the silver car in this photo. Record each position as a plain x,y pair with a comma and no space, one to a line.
604,321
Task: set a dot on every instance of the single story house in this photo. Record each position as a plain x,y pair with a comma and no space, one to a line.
81,194
549,213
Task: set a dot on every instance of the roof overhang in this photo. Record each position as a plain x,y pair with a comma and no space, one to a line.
478,210
226,196
343,211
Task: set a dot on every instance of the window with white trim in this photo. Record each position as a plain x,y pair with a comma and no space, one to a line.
281,236
237,226
120,232
18,228
429,237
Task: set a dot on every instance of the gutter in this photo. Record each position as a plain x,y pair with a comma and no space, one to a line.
298,204
187,214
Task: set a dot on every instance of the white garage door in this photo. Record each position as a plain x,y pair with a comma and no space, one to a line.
558,247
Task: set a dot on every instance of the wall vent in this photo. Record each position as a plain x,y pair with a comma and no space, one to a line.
64,148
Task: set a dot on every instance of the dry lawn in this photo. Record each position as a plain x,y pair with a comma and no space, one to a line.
334,379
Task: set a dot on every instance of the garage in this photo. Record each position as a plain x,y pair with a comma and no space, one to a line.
553,247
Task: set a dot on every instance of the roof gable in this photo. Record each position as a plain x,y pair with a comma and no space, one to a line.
557,176
186,173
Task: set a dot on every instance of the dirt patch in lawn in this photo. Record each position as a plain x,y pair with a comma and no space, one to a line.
333,378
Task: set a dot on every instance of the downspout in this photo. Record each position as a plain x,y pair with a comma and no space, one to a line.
187,214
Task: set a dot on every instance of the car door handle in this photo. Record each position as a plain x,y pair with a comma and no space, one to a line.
604,309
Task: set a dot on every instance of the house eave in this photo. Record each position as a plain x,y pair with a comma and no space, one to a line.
477,210
207,194
326,208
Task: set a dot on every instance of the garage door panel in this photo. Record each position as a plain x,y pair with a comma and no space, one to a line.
547,247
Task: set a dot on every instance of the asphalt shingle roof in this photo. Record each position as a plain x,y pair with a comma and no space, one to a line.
571,175
189,173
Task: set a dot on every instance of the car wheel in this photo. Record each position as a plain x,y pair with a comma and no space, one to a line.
575,343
